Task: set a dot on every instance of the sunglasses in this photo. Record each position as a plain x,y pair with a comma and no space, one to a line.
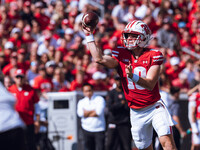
19,77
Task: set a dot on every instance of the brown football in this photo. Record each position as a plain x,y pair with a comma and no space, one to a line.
90,19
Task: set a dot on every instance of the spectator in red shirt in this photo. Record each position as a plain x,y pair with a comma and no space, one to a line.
186,40
15,37
13,14
181,82
196,37
97,81
26,99
192,25
196,48
72,16
12,65
78,82
64,26
21,62
26,36
43,82
42,19
174,69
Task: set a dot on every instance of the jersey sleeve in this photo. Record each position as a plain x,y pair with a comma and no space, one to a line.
156,57
116,54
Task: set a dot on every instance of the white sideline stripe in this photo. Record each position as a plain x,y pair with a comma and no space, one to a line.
157,56
114,55
116,52
158,60
154,50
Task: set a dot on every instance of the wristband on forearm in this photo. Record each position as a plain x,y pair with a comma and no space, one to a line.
135,78
194,127
89,38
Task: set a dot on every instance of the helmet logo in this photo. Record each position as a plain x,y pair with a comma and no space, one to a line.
146,28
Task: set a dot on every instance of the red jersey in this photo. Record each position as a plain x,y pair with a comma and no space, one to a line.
137,96
26,98
195,97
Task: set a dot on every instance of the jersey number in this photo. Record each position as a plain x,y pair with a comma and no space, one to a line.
140,71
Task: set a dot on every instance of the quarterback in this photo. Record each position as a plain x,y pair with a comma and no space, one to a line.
139,69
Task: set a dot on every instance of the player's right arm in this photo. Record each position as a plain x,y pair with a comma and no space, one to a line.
96,53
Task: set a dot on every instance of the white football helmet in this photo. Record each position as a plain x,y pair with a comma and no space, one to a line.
142,35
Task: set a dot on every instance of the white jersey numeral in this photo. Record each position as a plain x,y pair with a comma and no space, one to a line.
140,71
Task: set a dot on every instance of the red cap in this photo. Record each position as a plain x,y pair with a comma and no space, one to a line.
21,51
178,17
62,49
27,4
19,72
65,21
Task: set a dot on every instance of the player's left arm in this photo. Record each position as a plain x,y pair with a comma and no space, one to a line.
151,79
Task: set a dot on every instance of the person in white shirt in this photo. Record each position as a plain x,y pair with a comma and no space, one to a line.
91,111
118,13
11,125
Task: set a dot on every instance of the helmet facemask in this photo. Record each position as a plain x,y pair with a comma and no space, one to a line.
134,42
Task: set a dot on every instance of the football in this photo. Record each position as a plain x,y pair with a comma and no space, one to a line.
90,19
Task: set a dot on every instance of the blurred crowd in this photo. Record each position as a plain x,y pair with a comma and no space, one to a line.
45,40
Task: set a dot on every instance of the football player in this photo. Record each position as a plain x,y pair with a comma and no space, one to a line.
194,117
139,69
